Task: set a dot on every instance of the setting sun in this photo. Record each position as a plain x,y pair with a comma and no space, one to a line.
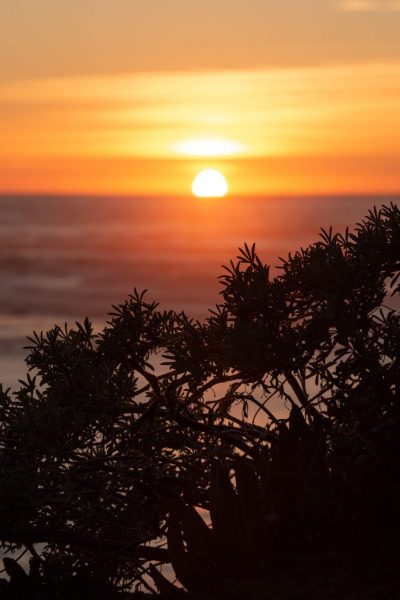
210,183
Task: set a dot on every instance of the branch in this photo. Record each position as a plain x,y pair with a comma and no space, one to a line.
294,384
219,431
65,537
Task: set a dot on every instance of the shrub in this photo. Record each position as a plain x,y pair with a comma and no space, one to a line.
291,385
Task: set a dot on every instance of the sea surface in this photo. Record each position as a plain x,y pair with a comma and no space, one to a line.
65,258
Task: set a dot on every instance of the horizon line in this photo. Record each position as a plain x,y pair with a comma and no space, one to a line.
189,196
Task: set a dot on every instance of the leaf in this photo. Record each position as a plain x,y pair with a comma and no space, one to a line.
163,585
224,509
297,423
198,537
249,499
178,556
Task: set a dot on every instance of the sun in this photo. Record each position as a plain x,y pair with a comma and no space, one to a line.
210,183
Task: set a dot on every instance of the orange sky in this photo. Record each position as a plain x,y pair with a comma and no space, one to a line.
282,100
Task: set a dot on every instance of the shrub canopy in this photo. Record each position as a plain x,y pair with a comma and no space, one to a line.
296,376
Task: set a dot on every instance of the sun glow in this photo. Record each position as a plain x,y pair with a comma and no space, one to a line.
210,183
210,147
270,131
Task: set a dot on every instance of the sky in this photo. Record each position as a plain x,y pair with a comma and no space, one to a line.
135,97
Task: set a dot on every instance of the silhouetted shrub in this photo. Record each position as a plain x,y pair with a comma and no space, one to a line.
291,386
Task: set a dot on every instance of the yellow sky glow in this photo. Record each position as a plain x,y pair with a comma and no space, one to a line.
211,148
284,130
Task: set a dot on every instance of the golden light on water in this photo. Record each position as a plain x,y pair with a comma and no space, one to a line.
210,183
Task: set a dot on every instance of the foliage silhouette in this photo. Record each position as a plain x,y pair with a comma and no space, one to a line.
291,386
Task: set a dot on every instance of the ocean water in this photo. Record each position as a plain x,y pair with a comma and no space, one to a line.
64,258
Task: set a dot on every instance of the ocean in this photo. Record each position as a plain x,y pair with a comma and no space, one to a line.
65,258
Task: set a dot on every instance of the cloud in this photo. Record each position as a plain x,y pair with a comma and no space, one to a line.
369,5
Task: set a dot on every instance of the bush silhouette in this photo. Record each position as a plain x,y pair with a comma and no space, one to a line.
279,414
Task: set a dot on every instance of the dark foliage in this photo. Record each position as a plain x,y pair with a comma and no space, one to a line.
279,415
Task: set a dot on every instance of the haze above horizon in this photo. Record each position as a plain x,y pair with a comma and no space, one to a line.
135,98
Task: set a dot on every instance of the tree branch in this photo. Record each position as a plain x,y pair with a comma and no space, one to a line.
65,537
